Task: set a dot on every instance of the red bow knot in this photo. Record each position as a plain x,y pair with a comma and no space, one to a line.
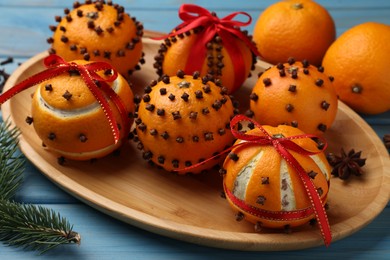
194,16
278,142
56,65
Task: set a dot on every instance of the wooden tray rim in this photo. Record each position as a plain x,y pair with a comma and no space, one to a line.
193,234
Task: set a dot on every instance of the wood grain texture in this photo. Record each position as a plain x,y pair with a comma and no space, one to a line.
228,4
190,208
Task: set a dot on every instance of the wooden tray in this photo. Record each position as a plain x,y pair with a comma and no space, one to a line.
190,207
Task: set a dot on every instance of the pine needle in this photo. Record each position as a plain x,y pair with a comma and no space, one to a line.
23,225
12,162
34,227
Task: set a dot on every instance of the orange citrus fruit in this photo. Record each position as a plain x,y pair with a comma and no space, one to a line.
359,60
296,94
302,29
69,120
99,32
183,120
262,179
174,55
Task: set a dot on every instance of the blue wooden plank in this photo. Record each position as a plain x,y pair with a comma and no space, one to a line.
35,31
10,67
106,238
379,119
226,4
381,130
22,34
36,188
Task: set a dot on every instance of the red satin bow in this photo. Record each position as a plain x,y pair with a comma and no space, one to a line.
282,145
56,65
195,16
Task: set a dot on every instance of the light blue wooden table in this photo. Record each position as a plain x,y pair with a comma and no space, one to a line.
23,33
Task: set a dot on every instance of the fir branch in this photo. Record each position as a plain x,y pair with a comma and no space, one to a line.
23,225
4,75
12,162
34,227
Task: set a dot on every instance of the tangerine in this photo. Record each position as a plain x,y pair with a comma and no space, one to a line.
69,120
359,60
99,32
174,55
296,94
183,120
260,178
302,29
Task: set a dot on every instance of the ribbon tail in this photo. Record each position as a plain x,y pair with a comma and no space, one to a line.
293,146
106,88
32,81
236,57
290,145
205,161
228,20
198,54
119,105
314,197
102,102
244,38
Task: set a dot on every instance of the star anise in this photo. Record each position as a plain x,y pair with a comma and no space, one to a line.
346,164
386,140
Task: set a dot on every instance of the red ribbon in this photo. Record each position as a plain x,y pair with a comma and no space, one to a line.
282,145
56,65
195,16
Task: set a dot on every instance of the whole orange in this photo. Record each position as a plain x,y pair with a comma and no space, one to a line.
359,60
301,29
296,94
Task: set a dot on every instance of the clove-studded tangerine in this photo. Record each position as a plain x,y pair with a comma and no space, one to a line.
210,45
174,53
69,120
301,96
99,31
181,132
259,183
